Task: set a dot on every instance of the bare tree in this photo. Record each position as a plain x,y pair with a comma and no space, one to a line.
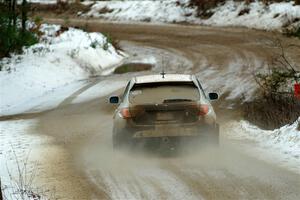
280,73
14,12
24,15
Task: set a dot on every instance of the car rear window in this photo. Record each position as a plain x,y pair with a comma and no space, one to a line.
168,92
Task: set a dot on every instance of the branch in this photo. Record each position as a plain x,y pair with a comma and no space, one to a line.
284,56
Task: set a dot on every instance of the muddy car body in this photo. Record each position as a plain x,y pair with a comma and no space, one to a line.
164,110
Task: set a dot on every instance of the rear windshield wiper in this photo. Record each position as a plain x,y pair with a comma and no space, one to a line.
176,100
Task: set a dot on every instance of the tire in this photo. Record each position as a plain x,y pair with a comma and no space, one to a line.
212,137
119,139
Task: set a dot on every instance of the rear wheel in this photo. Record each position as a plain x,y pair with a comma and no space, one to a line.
120,139
210,137
116,142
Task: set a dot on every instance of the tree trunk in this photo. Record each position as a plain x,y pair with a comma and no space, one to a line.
14,13
9,4
24,15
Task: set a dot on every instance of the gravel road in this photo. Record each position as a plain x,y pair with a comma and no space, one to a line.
81,163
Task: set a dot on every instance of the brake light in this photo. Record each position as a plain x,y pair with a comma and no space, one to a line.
125,113
203,109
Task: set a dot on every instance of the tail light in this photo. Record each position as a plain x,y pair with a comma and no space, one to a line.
203,109
125,113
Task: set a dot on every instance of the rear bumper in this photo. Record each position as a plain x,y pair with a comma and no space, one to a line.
163,141
175,142
194,130
183,130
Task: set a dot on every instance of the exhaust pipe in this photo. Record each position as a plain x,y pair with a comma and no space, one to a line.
166,140
167,144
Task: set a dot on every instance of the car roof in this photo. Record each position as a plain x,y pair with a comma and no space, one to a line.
165,78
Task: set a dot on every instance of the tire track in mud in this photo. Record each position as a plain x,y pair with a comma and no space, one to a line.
221,58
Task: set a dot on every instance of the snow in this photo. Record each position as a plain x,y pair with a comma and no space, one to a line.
237,69
270,17
21,148
154,11
48,100
55,62
18,155
43,1
280,145
260,16
100,89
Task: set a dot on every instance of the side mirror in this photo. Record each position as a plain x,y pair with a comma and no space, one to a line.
114,100
213,96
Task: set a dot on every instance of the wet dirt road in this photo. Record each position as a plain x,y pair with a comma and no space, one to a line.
82,164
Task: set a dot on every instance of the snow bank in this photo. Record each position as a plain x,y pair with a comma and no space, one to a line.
43,1
286,138
154,11
59,59
281,144
255,15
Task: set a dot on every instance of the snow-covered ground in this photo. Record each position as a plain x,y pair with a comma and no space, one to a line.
255,15
155,11
281,146
19,153
59,60
237,69
43,1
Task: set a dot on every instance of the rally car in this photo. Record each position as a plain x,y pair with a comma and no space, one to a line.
164,110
